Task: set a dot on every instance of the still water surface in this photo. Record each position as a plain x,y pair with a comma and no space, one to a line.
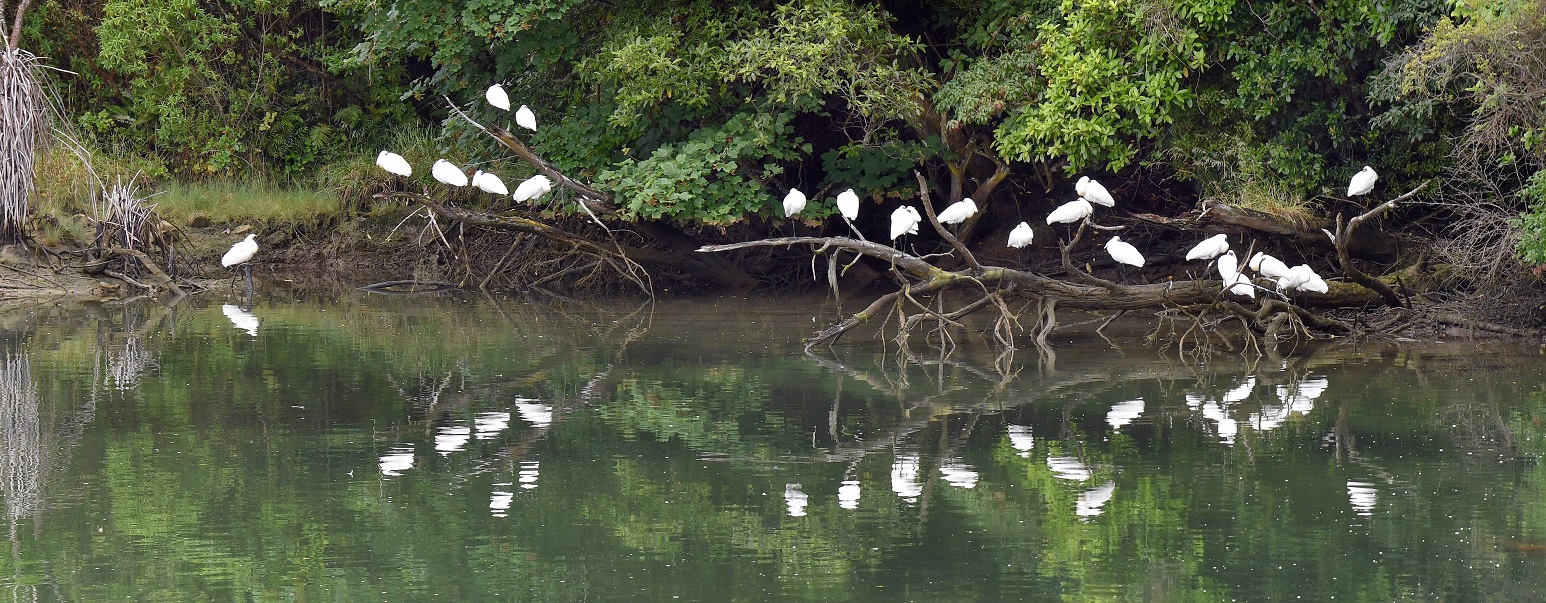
362,448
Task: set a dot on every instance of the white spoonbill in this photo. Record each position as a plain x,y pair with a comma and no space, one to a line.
489,183
1362,182
525,118
496,96
394,163
239,255
1229,266
1021,236
1124,252
1267,265
1088,188
958,212
848,204
448,173
793,202
533,188
1209,248
904,221
1071,212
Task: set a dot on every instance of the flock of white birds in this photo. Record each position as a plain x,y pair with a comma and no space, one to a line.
531,189
905,219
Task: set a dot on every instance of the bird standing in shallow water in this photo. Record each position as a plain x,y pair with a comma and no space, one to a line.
239,255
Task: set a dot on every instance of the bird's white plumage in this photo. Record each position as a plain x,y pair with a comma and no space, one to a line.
489,183
1302,277
1267,265
904,221
496,96
533,188
241,252
958,212
394,163
848,204
1071,212
1021,236
1241,285
1124,252
1229,266
448,173
793,202
1362,182
525,118
1089,188
1209,248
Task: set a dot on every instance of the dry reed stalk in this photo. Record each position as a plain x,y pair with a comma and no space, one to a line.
25,118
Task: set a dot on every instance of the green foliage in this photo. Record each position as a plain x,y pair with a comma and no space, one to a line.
713,176
1110,75
1532,222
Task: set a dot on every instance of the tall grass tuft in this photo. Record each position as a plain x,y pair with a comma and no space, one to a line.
25,116
231,201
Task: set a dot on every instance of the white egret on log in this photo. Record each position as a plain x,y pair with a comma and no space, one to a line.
1229,266
1268,266
1088,188
1124,252
794,202
525,118
496,96
1209,248
848,204
904,221
1071,212
958,212
533,188
489,183
394,163
1021,236
448,173
1362,182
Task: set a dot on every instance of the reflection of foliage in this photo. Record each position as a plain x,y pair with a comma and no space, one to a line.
721,411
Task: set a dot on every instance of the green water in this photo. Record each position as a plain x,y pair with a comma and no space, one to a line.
362,448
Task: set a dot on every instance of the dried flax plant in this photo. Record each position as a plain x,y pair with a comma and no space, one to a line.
25,118
122,216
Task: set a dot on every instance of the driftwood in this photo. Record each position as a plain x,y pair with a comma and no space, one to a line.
991,288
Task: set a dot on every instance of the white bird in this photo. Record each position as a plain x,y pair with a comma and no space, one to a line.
1267,265
1090,189
1071,212
496,96
958,212
793,202
848,204
1362,182
1229,266
1241,285
1209,248
1301,277
1021,236
241,252
489,183
1124,252
525,118
242,319
394,163
533,188
448,173
904,221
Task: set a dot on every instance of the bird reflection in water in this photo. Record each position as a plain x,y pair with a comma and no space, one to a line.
795,499
499,500
242,319
1091,501
848,494
1020,439
904,477
527,475
397,460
